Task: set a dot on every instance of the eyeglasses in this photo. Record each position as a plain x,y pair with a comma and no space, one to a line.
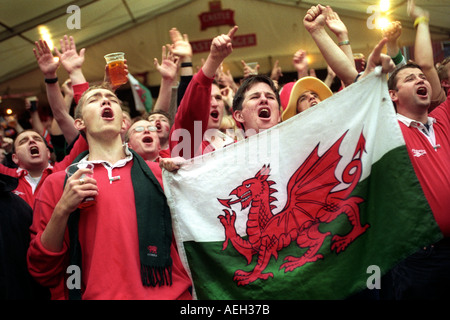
142,128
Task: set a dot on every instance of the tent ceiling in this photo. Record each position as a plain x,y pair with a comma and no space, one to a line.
140,28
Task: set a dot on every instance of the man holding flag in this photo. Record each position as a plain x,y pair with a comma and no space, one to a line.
348,197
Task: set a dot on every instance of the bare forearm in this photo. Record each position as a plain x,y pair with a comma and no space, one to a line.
60,113
346,48
164,96
423,56
77,76
36,122
335,57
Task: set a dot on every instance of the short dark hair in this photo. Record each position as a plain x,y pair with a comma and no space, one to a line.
29,130
392,82
165,114
247,84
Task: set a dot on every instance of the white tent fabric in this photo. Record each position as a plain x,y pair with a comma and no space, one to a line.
140,27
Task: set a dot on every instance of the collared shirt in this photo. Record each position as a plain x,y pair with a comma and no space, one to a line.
429,152
109,166
426,129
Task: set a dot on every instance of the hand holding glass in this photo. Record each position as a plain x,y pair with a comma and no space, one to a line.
70,170
253,66
116,68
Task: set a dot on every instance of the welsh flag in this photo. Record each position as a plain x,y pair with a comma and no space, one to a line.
318,207
142,96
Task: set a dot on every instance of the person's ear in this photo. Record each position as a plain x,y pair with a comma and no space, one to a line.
15,159
238,116
79,124
394,95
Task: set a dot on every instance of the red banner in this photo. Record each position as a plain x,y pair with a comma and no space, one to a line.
217,18
239,41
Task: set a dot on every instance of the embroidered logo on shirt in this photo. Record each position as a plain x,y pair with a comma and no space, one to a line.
418,153
152,251
19,193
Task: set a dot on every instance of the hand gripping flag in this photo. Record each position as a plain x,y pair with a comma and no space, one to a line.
305,210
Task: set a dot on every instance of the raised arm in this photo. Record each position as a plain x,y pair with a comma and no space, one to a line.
314,21
168,70
49,66
71,60
423,51
221,48
392,33
377,58
338,27
31,104
183,49
196,102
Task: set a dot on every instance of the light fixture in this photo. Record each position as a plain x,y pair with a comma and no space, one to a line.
45,35
382,22
384,5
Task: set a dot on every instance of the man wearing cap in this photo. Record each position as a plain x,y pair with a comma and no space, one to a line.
306,92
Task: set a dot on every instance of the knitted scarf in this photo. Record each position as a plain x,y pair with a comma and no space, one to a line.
154,228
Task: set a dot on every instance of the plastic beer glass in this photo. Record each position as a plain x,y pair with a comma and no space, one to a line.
116,68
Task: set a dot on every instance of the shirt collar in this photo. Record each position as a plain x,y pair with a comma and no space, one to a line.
411,122
23,172
120,163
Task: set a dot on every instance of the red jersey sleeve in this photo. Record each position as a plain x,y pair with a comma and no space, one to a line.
78,90
193,111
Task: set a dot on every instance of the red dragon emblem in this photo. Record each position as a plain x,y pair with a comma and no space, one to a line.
310,202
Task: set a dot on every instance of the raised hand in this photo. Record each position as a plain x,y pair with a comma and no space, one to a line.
107,77
415,12
70,59
225,79
377,58
180,44
300,63
249,71
393,31
315,18
276,71
45,59
335,24
221,47
169,64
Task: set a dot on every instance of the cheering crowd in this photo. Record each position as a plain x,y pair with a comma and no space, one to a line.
123,245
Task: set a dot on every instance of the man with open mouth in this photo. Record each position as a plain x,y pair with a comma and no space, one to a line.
197,121
32,156
121,247
162,121
427,140
143,138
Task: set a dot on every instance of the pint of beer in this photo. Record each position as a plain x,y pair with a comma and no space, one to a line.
360,62
116,68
